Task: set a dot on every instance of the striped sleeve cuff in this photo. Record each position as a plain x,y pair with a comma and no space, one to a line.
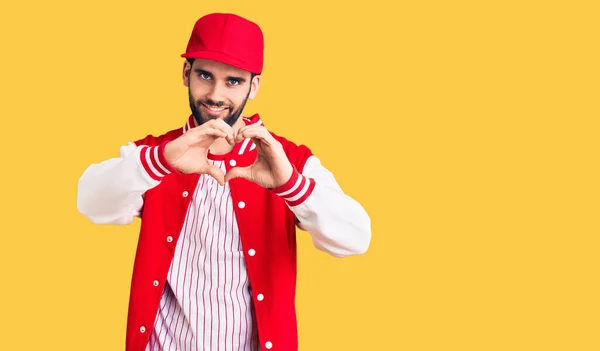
296,190
154,161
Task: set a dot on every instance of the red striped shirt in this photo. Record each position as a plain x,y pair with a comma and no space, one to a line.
206,303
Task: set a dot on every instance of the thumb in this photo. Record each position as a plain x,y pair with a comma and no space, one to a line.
237,172
214,172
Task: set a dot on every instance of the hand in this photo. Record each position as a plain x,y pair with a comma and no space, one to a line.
271,168
188,152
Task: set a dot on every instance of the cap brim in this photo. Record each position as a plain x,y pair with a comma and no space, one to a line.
220,57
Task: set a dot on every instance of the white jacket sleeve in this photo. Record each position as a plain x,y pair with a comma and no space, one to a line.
337,223
111,192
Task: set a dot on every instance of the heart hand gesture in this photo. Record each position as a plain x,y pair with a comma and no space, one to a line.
188,153
271,168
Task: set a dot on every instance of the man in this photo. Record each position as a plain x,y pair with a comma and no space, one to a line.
219,202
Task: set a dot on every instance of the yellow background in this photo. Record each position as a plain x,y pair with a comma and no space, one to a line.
467,129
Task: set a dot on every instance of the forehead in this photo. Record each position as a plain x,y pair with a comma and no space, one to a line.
219,68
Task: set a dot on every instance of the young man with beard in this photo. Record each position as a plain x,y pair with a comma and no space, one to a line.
219,201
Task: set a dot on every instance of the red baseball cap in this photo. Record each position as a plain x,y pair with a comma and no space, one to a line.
229,39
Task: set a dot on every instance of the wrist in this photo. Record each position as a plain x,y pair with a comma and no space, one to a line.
296,190
163,157
287,176
154,162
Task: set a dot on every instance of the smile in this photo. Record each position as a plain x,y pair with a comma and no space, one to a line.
214,108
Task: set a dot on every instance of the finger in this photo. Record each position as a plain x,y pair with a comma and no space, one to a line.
205,129
238,132
259,133
254,131
238,172
215,133
250,126
221,124
214,172
224,127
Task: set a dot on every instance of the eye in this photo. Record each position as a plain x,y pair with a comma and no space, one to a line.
233,82
204,75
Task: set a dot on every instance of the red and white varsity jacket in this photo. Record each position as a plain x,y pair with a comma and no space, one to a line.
141,183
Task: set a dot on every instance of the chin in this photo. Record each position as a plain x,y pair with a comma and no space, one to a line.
229,119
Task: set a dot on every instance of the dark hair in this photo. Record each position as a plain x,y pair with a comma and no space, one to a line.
191,62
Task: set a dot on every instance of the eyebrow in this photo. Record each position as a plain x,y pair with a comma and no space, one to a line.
201,71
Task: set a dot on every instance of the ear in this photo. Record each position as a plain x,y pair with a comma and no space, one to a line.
187,68
254,85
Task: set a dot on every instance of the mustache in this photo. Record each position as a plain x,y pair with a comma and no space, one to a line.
211,103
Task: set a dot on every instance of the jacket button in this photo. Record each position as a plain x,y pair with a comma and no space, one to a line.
260,297
241,204
142,329
169,239
251,252
268,344
232,163
185,194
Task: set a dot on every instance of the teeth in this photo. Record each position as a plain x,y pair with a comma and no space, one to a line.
216,109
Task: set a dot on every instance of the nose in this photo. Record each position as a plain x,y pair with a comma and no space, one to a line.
216,94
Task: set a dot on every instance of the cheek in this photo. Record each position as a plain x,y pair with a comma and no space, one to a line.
238,97
198,91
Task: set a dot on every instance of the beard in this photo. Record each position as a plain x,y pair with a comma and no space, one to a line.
201,118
